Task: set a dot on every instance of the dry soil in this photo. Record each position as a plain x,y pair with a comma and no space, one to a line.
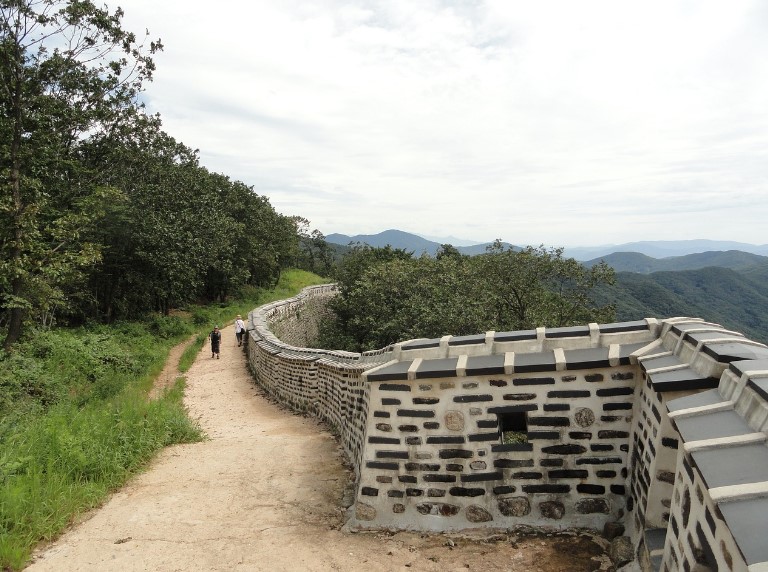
264,492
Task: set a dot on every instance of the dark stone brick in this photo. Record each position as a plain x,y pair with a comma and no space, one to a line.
557,407
551,462
568,378
549,421
543,435
454,467
414,413
597,447
610,418
592,506
413,440
394,387
512,408
390,401
391,454
406,479
408,428
570,393
369,492
479,437
605,474
382,465
617,406
624,448
471,398
666,477
518,396
534,381
527,475
565,449
668,442
550,489
591,489
568,474
498,383
470,385
425,400
431,425
439,478
385,427
414,492
398,508
580,434
517,506
455,454
593,377
656,413
608,434
598,460
465,492
395,494
435,492
422,467
618,489
613,391
384,414
552,509
383,479
622,376
437,509
481,477
512,463
446,440
383,440
504,490
487,423
516,447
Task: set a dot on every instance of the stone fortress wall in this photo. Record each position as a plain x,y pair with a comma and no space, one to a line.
659,426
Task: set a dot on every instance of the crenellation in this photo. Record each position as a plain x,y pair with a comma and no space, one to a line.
637,424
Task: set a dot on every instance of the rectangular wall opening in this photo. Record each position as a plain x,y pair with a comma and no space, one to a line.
513,427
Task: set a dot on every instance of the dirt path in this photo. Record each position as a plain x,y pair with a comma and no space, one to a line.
264,493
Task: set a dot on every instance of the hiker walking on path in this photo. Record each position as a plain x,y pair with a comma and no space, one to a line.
215,337
239,330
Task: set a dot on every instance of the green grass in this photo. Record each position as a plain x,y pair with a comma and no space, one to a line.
75,421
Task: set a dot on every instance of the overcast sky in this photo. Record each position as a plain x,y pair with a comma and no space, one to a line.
558,122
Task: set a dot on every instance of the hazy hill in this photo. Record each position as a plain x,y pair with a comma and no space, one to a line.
643,264
400,239
665,248
736,300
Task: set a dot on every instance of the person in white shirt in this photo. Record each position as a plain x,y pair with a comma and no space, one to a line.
239,330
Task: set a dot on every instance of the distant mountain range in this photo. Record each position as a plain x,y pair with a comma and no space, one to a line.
400,239
719,281
655,249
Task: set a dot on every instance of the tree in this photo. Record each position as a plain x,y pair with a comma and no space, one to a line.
68,71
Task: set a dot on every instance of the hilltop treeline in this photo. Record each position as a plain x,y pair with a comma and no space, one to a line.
103,215
386,295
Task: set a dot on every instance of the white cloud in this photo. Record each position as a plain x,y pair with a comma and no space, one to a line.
558,122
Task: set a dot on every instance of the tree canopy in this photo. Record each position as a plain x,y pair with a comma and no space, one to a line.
388,296
103,215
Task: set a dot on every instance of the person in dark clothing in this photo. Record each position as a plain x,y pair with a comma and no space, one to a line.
215,337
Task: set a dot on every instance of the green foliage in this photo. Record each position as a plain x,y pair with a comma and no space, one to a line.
386,295
737,300
75,420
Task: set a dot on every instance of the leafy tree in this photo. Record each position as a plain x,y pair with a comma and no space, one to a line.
386,297
68,71
534,287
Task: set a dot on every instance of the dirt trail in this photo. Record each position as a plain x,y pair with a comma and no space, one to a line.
264,493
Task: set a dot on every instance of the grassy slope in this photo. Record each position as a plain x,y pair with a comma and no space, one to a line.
74,419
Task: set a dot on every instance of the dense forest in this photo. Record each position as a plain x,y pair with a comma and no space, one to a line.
103,215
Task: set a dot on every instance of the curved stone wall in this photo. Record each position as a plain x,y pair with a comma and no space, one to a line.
629,424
